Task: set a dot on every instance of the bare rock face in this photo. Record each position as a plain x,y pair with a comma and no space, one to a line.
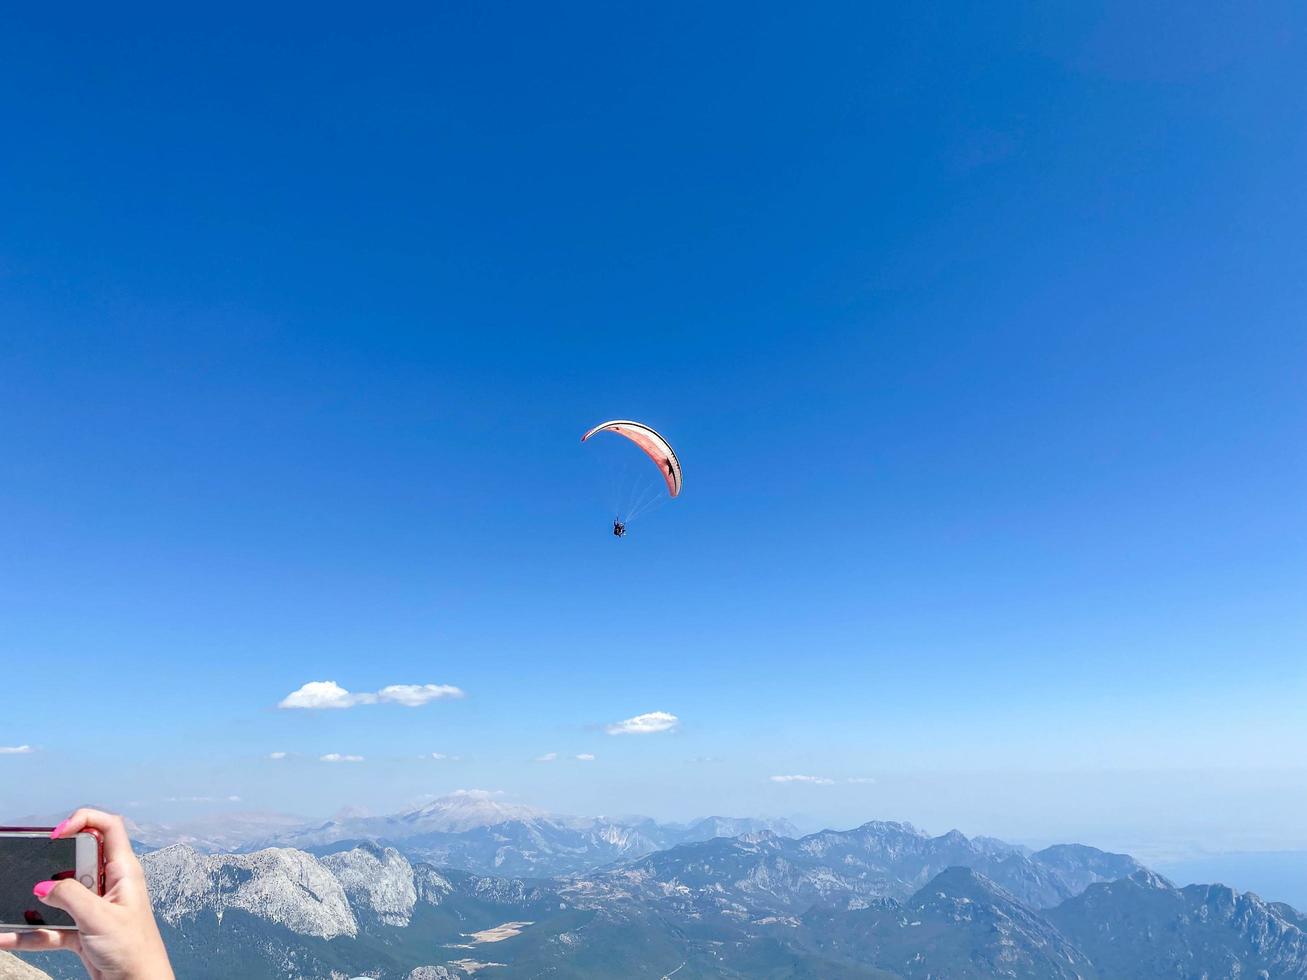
432,887
12,968
376,879
281,886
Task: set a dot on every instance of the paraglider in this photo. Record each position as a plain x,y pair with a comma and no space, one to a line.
659,450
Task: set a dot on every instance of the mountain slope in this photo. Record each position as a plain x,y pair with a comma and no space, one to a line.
12,968
1143,926
284,913
960,925
473,830
761,874
834,906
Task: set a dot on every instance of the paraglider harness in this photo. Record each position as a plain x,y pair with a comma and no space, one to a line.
619,529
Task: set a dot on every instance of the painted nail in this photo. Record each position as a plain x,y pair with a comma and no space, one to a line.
54,834
42,889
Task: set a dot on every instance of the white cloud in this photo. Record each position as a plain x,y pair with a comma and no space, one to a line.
16,750
441,757
337,757
276,755
813,780
860,779
547,757
478,794
585,757
647,724
317,695
415,695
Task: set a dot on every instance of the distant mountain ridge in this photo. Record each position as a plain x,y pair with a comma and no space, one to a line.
883,901
469,829
959,925
880,859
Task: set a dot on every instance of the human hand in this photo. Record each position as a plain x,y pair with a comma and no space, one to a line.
117,937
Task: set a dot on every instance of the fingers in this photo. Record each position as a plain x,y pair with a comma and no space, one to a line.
39,939
117,845
117,873
71,896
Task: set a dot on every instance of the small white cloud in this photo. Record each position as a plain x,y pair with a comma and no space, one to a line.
547,757
649,723
338,757
441,757
415,695
478,794
585,757
860,779
321,695
813,780
16,750
276,755
233,799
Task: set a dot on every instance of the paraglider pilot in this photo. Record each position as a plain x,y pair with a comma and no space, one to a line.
619,529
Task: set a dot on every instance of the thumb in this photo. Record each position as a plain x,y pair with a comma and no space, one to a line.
71,896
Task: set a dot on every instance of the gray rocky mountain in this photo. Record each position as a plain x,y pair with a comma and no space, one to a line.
1143,926
871,903
12,968
469,829
474,831
960,925
284,887
768,874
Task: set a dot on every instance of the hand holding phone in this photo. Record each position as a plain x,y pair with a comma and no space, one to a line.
30,856
111,928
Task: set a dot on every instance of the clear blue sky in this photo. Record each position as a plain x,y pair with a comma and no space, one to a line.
980,333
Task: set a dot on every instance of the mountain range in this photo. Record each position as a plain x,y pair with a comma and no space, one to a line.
470,829
880,901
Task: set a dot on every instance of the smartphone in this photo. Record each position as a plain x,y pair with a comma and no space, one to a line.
28,855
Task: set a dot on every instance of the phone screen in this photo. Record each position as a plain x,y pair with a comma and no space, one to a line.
23,862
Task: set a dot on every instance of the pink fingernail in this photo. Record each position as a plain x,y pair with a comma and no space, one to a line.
42,889
54,834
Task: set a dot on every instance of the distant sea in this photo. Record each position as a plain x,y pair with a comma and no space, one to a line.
1276,876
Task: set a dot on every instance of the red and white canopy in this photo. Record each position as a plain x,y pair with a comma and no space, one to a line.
655,446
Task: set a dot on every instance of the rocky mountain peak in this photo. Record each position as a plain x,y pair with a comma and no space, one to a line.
281,885
377,879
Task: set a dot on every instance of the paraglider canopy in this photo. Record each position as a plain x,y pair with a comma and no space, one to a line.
655,447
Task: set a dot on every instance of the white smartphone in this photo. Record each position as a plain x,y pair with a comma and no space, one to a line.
27,856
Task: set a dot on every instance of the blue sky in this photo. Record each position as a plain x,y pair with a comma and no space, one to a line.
980,335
